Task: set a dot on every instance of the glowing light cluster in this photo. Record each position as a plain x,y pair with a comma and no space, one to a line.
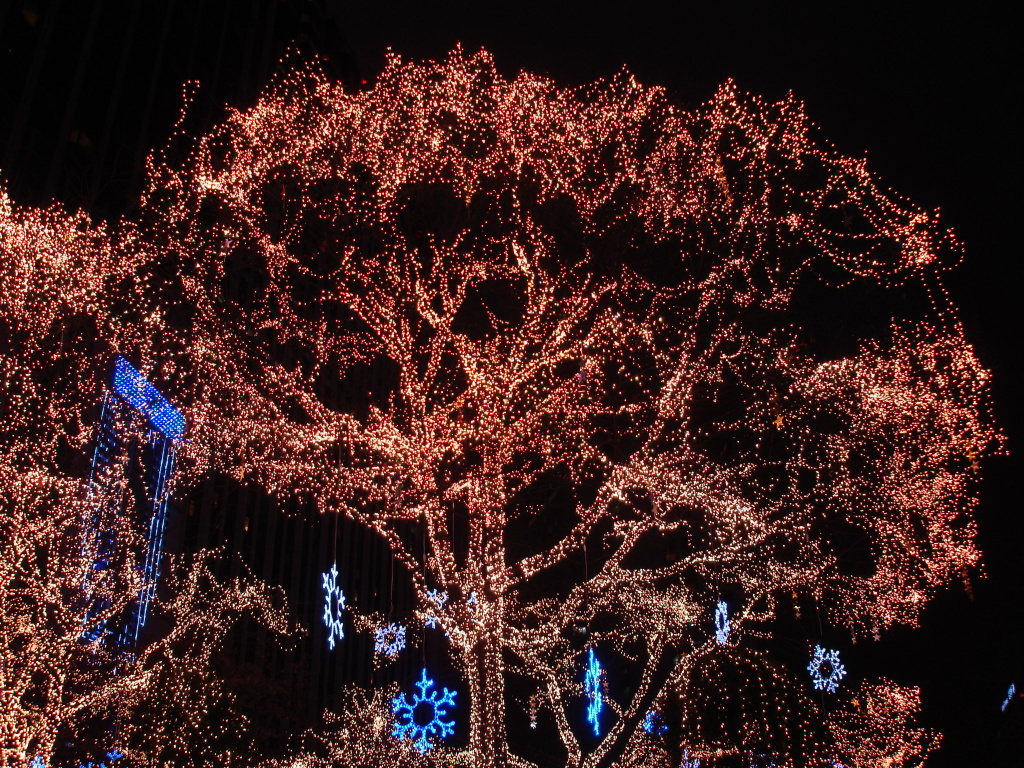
147,400
409,724
654,724
334,606
57,321
607,359
722,622
1010,693
825,668
389,640
881,728
593,680
112,756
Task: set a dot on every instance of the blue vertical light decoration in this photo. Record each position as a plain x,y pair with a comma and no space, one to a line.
334,607
130,397
389,640
722,627
592,688
1009,697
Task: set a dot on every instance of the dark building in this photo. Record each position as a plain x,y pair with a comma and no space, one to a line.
90,90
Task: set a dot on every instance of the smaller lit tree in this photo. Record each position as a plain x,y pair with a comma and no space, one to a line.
60,597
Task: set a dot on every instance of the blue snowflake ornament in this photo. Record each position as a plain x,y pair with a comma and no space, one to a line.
825,669
439,598
592,689
37,762
722,627
689,762
654,725
334,606
407,725
389,640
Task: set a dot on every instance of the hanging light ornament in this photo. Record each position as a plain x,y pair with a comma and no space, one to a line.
593,680
722,622
825,669
334,606
412,721
389,640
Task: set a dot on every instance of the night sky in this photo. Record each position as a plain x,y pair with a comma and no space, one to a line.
930,93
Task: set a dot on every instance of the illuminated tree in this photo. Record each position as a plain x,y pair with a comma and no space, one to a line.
604,362
61,599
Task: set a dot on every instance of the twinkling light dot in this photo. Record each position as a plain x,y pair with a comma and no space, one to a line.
593,680
825,668
722,627
389,640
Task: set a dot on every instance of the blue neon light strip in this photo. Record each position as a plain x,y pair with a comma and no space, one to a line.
144,398
155,549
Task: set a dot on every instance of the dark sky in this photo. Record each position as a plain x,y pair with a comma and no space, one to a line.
929,92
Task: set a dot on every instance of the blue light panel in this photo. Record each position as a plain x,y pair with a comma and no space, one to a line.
144,398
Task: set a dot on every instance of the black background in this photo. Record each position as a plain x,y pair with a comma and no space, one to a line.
929,92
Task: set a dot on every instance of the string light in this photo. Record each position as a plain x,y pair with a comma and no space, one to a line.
417,727
607,354
879,729
389,640
1010,693
147,400
722,622
825,669
654,725
592,686
334,606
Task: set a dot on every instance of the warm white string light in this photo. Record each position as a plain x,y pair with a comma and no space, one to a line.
67,594
588,287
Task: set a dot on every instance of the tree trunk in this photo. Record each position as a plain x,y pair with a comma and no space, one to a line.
486,675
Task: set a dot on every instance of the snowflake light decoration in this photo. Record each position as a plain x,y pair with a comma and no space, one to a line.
37,762
825,669
334,606
654,725
617,166
439,598
407,724
1009,697
389,640
689,762
592,688
722,627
